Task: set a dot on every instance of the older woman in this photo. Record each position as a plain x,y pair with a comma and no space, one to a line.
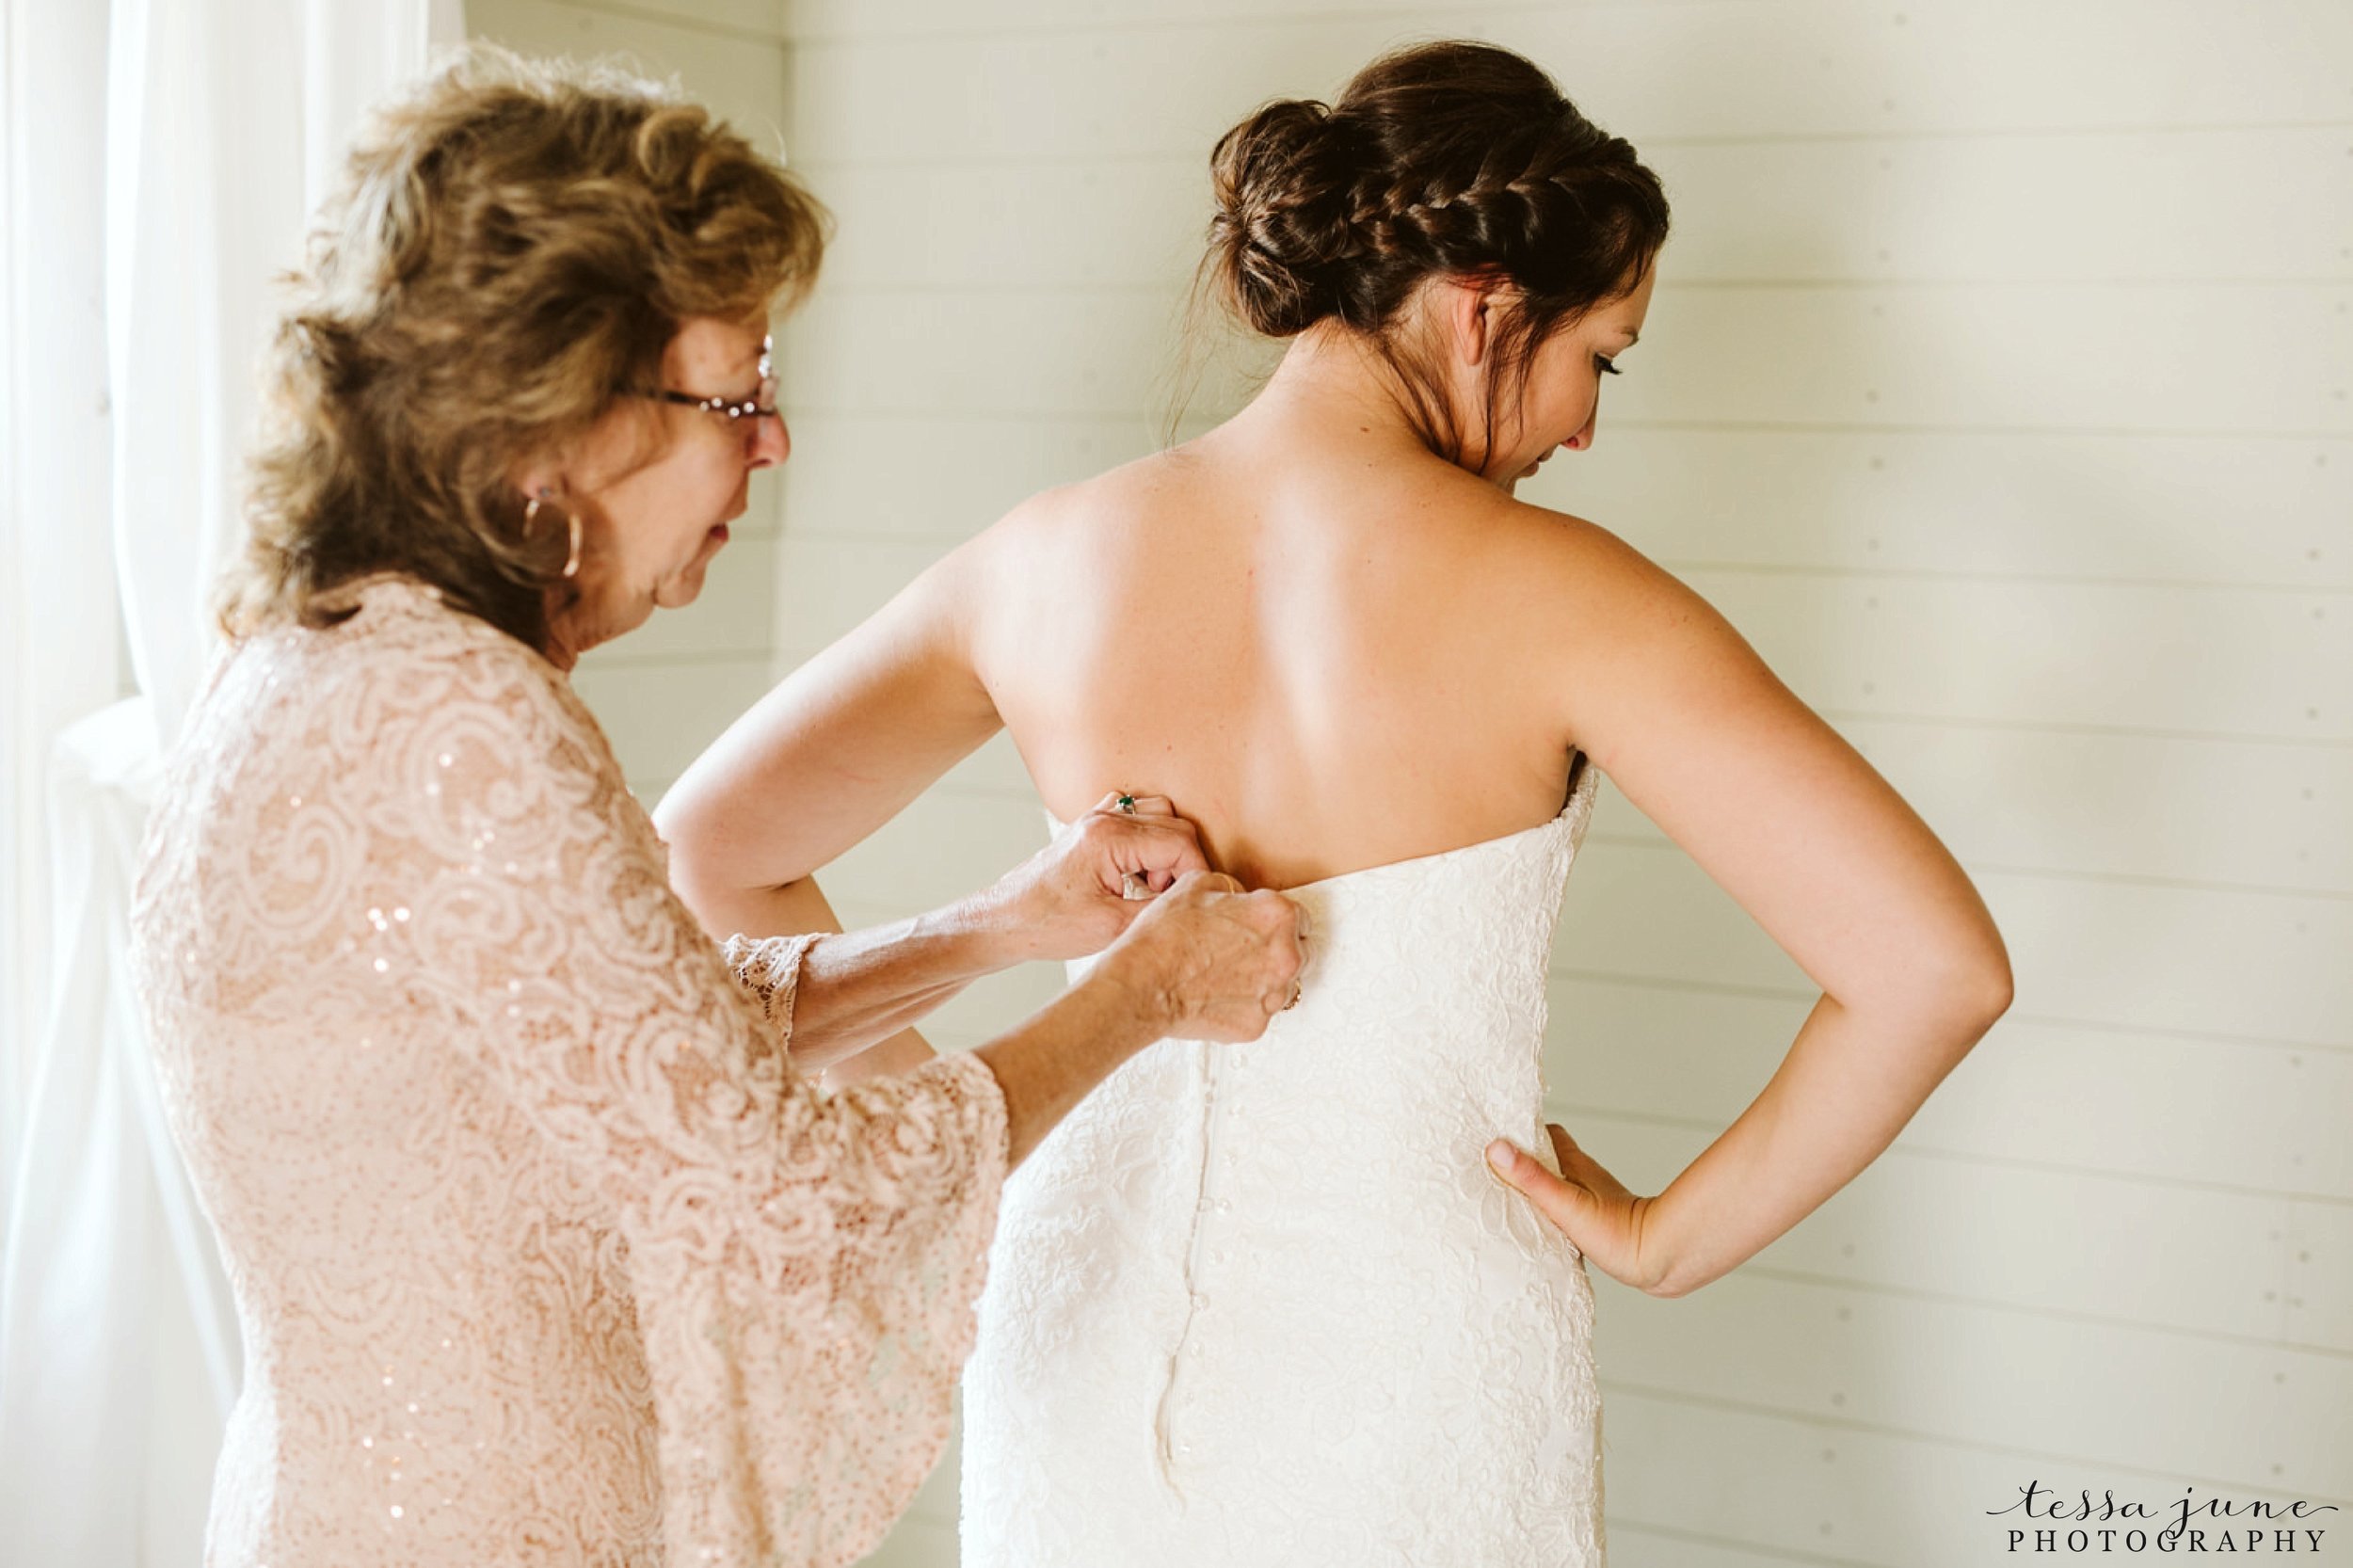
545,1247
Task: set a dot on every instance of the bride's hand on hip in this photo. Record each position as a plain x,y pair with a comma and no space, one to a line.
1594,1208
1075,896
1208,961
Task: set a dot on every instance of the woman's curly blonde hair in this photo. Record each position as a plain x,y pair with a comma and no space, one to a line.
512,249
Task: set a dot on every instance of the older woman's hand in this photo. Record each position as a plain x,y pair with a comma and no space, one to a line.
1208,960
1072,898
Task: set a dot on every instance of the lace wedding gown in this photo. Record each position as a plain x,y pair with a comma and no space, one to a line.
1265,1304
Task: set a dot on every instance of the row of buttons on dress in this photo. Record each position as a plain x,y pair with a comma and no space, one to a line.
1198,1258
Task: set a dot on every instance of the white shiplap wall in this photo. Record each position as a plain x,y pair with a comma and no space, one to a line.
666,690
1996,387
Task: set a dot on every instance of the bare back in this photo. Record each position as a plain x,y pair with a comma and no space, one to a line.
1327,664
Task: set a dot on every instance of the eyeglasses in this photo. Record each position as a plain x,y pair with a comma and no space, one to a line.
761,404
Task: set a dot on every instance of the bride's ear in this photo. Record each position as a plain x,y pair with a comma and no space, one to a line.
1470,306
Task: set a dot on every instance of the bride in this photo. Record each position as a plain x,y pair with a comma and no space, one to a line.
1270,1306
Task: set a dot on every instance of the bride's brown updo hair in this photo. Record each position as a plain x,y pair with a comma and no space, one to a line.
1440,158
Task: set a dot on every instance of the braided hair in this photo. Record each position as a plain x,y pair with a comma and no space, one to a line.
1451,158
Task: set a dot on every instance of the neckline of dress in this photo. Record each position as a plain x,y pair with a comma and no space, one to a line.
373,587
1576,798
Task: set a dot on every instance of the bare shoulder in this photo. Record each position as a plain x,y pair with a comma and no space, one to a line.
1578,563
1040,545
1589,580
1612,631
951,602
1069,513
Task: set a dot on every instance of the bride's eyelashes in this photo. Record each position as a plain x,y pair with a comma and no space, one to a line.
1608,365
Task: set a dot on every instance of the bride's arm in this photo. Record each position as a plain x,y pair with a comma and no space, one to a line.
1680,714
837,750
847,740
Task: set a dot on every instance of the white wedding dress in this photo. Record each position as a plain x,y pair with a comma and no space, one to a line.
1265,1305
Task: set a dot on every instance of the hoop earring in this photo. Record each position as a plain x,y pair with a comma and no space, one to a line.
530,516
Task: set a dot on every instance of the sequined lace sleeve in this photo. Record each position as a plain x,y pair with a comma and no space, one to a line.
805,1265
769,970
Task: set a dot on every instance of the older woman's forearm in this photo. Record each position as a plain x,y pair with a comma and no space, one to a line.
1851,1079
898,1053
862,987
859,991
1049,1064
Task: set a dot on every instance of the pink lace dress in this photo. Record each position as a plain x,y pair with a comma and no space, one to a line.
542,1250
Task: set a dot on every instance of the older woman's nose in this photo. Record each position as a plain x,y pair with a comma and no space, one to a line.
772,443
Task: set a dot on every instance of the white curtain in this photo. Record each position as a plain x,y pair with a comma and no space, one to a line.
213,133
58,633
